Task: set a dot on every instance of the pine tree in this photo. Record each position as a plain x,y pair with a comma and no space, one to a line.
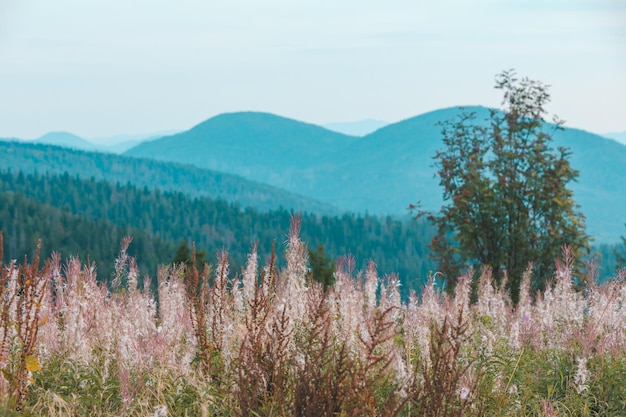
184,255
322,267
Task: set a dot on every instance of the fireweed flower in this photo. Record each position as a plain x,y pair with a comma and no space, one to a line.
127,330
582,373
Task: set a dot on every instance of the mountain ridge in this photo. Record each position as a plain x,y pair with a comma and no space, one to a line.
387,170
167,176
113,144
617,136
250,144
66,139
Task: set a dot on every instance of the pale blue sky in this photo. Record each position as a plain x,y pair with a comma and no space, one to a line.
107,67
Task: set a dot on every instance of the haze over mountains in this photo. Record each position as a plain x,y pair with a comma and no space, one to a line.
618,136
113,144
66,139
380,173
311,168
187,179
69,140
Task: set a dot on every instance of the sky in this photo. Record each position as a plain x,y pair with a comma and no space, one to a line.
101,68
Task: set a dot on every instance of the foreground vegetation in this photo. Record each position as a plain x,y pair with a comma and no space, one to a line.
272,343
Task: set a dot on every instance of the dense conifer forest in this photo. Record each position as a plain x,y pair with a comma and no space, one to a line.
165,176
86,217
24,221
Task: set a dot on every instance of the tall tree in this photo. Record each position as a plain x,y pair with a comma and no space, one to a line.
507,201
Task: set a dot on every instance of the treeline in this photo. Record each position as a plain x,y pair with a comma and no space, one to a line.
166,176
25,221
89,218
160,221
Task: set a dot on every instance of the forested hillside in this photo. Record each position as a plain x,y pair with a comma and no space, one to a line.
190,180
25,220
397,246
385,171
263,147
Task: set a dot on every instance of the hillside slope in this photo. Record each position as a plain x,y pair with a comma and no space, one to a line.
25,220
395,166
382,172
187,179
262,147
66,139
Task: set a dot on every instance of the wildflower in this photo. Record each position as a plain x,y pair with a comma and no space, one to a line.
160,411
580,378
465,393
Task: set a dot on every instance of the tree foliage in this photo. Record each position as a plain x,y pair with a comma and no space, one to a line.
103,213
620,252
184,255
25,221
507,201
322,266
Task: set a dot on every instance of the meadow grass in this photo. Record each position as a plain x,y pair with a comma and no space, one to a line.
270,342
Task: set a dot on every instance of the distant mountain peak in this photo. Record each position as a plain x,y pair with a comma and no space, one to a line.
66,139
58,135
254,120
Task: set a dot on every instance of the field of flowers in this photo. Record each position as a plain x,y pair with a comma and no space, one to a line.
272,343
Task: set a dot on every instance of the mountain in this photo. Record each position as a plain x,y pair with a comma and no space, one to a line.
259,146
618,136
66,139
190,180
116,144
113,144
359,128
380,173
383,172
398,160
391,168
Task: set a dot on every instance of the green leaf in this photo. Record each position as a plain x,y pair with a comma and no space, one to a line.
7,375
